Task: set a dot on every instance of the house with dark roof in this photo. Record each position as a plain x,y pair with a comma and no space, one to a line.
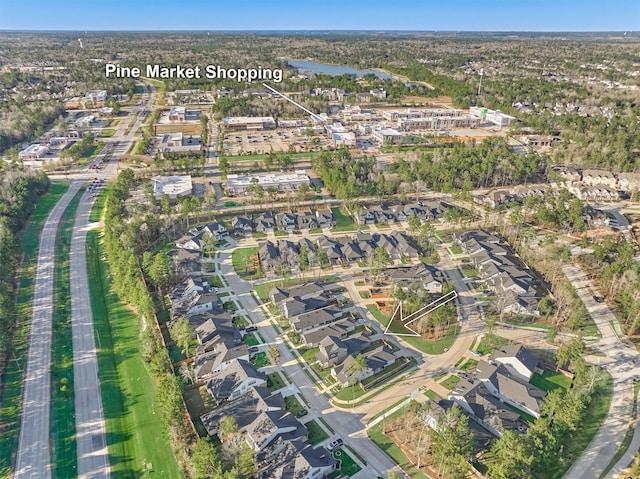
510,389
187,286
421,275
518,360
377,359
269,256
340,329
265,223
245,409
286,221
297,460
366,216
474,397
306,220
234,381
214,329
313,319
217,229
325,218
196,302
332,351
241,225
192,242
185,262
267,427
405,245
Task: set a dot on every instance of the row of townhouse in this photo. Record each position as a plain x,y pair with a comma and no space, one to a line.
383,213
196,239
502,271
343,250
627,182
268,222
497,198
278,440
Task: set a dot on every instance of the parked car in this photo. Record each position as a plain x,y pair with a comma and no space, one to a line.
333,445
598,299
254,349
302,412
251,329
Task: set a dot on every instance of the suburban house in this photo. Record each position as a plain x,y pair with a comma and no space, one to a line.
286,221
296,460
314,318
241,225
325,218
185,262
217,230
187,286
235,381
268,426
265,223
196,302
332,351
518,360
339,329
419,275
377,359
245,409
193,242
510,389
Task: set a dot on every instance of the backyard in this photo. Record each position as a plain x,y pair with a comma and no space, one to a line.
246,264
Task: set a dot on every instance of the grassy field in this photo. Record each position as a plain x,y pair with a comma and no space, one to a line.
421,344
62,421
240,258
316,433
343,222
347,465
548,381
450,383
96,212
135,433
11,392
293,405
107,133
275,381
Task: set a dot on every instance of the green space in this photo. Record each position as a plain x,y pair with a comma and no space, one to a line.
593,418
245,263
262,289
431,394
315,231
451,382
343,222
107,133
421,344
456,249
96,212
258,235
260,360
469,366
348,467
292,405
316,433
135,433
281,233
12,380
549,380
275,381
216,281
490,342
470,272
62,420
391,449
251,340
309,355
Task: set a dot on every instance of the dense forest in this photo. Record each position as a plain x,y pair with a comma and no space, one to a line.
19,191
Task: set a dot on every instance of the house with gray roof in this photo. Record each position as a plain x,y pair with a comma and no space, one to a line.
245,409
510,389
196,302
325,218
269,256
286,221
518,360
340,329
234,381
185,262
265,223
377,359
313,319
297,460
267,427
241,225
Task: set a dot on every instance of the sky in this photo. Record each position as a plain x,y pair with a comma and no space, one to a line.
427,15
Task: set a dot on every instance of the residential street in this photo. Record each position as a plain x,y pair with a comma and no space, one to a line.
33,455
623,369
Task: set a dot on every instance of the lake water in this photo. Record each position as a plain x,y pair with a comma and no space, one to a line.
333,70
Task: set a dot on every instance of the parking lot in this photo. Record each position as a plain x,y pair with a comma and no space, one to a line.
262,142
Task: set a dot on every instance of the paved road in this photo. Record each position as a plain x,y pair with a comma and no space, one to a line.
93,455
622,365
34,458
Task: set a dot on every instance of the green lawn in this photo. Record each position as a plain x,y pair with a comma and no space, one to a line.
135,433
258,235
107,133
262,157
355,391
548,381
96,212
292,405
275,381
450,383
260,360
343,222
251,340
347,465
456,249
391,449
281,233
62,420
421,344
12,381
242,259
470,365
488,344
316,433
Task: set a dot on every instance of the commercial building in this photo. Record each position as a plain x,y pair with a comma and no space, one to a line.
33,152
237,185
387,135
492,116
177,142
249,123
172,186
438,123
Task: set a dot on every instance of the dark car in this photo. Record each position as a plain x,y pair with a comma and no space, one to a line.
598,299
302,412
254,349
251,329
